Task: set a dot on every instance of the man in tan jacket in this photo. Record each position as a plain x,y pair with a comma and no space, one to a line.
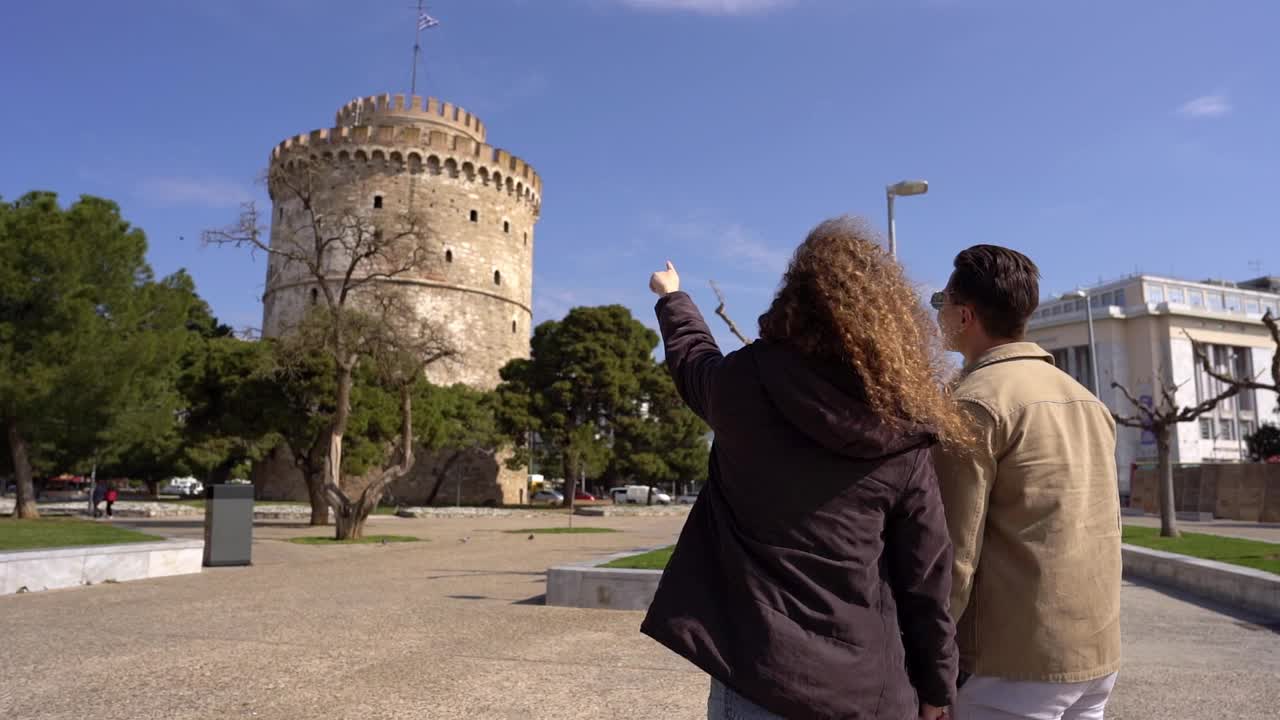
1033,510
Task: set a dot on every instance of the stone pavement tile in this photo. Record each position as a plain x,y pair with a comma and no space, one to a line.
445,629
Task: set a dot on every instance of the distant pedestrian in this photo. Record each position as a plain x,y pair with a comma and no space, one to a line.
111,497
99,495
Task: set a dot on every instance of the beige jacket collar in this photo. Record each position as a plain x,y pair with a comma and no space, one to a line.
1010,351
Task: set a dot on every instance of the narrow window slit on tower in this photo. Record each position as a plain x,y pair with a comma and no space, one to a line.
315,296
506,226
377,202
475,216
513,326
497,277
448,256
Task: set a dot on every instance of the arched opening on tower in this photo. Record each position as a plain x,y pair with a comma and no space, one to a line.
506,226
513,327
448,256
377,202
315,296
497,277
475,216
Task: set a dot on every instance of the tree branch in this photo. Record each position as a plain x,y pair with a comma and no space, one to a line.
724,315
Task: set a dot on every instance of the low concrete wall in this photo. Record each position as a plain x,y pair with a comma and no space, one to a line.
1231,491
1252,590
38,570
587,585
632,510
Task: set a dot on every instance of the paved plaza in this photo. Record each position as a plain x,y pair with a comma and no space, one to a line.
450,629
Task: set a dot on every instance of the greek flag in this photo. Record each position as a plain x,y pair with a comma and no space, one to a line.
426,22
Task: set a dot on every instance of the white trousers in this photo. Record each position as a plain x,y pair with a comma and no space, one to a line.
985,698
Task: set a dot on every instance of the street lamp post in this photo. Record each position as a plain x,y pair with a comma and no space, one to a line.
1093,347
901,189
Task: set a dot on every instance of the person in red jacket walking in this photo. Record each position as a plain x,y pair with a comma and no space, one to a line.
111,497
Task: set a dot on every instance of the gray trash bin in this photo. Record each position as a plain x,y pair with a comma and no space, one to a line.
228,525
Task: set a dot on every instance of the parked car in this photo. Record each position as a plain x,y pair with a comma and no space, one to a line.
638,495
687,499
546,497
581,495
183,487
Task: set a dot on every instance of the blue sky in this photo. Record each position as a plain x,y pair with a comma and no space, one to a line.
1098,137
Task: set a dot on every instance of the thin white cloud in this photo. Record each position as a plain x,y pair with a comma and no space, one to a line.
732,241
189,191
1207,106
709,7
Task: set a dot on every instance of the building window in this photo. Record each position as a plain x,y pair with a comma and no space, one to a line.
475,216
1155,294
1233,303
377,202
506,226
281,212
1246,427
1206,429
513,327
1177,295
526,239
1226,429
1197,298
448,256
1214,300
1243,369
1107,299
1057,310
315,296
1119,299
497,277
1252,307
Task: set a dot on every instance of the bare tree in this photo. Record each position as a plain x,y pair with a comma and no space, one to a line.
1247,383
1160,419
724,314
345,256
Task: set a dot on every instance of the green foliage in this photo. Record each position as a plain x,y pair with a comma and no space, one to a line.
455,417
89,341
1265,443
598,403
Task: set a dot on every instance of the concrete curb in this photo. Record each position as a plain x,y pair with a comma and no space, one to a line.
632,510
49,569
1244,588
587,585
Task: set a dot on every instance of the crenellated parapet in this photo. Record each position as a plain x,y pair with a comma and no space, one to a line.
417,150
400,110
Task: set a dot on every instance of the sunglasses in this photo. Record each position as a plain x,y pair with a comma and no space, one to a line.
938,300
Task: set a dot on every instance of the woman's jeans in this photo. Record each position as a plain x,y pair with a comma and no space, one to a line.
725,704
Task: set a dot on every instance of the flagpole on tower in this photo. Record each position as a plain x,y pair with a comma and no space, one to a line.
423,21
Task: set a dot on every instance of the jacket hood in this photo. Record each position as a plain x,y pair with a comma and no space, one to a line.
827,403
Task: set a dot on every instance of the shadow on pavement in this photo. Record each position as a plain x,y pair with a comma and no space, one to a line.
1243,618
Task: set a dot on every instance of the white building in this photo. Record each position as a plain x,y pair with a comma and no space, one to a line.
1149,327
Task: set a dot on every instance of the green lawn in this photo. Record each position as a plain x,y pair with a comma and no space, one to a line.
561,531
1248,553
63,532
367,540
656,560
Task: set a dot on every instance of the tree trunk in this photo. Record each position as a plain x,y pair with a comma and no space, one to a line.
315,493
443,475
331,480
570,468
153,488
25,506
350,516
1168,511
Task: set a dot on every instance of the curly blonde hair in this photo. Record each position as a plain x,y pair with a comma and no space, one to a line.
845,300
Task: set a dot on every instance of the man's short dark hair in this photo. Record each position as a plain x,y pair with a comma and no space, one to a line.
1002,285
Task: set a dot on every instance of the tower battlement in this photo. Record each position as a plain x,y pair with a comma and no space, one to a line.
418,150
390,109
